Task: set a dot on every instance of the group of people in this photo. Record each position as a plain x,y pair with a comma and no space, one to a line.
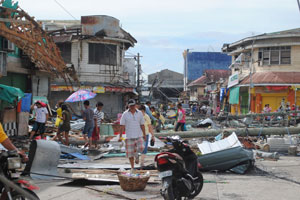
92,117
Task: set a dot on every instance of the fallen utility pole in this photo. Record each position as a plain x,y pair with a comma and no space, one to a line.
257,115
239,131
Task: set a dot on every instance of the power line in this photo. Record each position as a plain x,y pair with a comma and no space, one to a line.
64,9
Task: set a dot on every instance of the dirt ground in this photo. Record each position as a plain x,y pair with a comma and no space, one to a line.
269,180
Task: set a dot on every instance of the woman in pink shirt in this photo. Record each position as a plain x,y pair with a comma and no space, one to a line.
180,117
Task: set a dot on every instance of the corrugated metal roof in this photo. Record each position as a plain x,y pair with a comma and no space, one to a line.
215,74
273,78
200,81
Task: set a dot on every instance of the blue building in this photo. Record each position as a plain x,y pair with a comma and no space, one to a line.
195,63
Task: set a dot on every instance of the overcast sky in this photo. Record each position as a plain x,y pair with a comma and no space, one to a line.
165,28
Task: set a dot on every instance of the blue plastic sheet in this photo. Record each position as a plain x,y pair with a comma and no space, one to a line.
26,102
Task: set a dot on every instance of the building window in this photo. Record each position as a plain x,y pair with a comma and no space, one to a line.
65,51
103,54
275,55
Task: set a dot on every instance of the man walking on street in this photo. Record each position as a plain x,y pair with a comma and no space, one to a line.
98,117
41,117
88,117
132,122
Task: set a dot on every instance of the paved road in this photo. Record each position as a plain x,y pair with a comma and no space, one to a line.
270,180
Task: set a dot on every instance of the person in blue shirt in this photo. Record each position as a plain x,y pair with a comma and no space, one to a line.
148,111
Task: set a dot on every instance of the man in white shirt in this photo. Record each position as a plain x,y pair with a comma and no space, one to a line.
41,117
132,122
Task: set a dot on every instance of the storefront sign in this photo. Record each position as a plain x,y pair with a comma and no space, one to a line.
118,89
97,89
233,80
55,88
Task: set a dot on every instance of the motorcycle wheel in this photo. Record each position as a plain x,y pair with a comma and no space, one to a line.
18,196
198,185
168,194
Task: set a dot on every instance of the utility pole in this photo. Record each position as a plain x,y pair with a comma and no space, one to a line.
138,76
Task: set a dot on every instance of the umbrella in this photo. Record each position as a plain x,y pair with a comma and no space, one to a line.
10,94
80,95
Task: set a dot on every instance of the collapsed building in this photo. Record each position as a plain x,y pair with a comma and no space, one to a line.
95,48
28,60
165,85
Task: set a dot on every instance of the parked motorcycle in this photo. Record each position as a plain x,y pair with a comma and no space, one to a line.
11,187
179,171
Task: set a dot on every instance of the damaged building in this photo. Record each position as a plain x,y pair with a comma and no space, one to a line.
265,68
95,47
165,85
28,58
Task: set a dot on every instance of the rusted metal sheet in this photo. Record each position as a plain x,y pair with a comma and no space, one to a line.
28,35
273,77
101,25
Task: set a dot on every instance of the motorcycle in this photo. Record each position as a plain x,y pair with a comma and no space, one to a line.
179,171
11,187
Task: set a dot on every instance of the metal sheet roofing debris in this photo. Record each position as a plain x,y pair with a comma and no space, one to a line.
45,161
229,142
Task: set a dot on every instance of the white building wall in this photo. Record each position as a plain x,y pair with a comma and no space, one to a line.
40,85
95,72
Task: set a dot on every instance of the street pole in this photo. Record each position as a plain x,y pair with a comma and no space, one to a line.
250,82
138,76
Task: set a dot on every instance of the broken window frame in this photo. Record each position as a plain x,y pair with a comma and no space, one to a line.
65,51
102,54
275,55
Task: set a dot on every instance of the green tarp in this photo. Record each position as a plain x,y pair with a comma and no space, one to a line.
10,94
234,95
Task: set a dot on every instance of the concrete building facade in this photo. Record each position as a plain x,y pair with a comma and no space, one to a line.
269,64
95,48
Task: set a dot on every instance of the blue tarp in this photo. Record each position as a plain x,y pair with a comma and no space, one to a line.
26,102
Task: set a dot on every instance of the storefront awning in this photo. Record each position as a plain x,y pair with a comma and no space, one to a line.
273,78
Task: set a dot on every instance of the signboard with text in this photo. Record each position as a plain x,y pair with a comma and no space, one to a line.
233,80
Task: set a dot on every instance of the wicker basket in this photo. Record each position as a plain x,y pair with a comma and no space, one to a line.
133,183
